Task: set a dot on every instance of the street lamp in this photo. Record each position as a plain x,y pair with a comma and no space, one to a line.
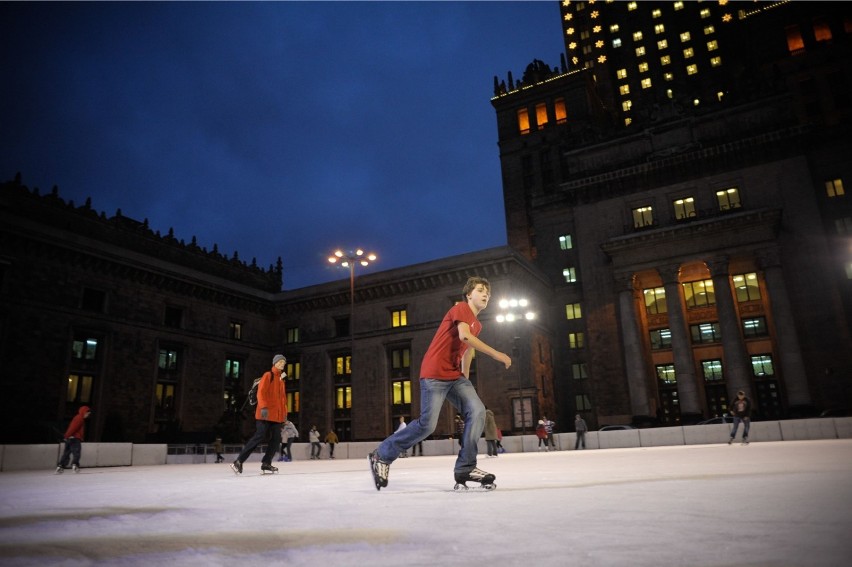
348,260
512,310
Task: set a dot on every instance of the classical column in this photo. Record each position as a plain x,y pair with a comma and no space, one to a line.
684,363
738,369
634,363
789,350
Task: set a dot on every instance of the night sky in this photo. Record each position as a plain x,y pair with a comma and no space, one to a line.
273,129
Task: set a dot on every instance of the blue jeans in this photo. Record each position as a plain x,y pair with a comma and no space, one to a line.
746,424
462,395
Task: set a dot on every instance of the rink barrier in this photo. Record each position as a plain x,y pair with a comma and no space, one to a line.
45,457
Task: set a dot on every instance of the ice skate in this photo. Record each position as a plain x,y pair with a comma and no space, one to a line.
59,470
745,440
75,468
237,467
731,440
380,470
268,468
485,480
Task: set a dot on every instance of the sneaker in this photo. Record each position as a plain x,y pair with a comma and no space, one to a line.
75,468
237,467
380,470
268,468
59,470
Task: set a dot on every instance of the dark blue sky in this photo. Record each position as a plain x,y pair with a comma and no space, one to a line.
273,128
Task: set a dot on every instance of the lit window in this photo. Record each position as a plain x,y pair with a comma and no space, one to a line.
709,30
626,105
684,208
662,44
668,77
821,30
659,28
728,199
655,300
570,275
575,340
712,370
755,327
573,311
628,121
637,36
632,6
688,53
762,365
834,188
705,13
720,95
640,51
699,294
621,73
624,89
566,242
523,121
715,61
712,45
746,286
666,373
582,402
646,83
665,60
579,371
794,39
541,115
656,13
660,339
559,111
684,37
401,392
678,6
643,67
643,216
691,69
399,318
343,398
613,28
292,335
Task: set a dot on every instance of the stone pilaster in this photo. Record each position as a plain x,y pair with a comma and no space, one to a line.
631,338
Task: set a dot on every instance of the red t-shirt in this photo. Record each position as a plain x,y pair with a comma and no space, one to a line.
443,358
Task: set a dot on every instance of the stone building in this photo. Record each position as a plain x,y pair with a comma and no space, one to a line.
682,189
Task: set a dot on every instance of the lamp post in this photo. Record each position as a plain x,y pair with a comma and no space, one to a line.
348,260
512,310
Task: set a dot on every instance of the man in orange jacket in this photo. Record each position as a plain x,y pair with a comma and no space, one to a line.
271,412
74,440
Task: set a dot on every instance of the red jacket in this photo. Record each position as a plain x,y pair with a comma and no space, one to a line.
272,396
77,427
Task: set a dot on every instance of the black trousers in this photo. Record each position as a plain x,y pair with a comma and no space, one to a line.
265,430
72,451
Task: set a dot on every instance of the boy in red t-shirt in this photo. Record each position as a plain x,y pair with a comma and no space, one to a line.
444,376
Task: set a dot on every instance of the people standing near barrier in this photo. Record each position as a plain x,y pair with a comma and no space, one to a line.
541,433
74,440
218,448
314,438
271,412
581,428
332,440
500,447
288,434
490,433
548,428
741,410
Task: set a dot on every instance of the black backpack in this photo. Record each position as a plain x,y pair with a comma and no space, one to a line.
251,399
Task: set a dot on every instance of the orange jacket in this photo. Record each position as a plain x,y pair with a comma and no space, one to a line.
272,396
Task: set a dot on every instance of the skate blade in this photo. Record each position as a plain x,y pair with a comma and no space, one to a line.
462,487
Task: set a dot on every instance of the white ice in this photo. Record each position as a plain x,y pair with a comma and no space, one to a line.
769,504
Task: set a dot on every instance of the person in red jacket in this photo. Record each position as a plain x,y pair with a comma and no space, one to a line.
73,440
271,412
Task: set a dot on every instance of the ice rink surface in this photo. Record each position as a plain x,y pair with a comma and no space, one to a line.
766,504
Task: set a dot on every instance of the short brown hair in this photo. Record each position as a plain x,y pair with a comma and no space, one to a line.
474,281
